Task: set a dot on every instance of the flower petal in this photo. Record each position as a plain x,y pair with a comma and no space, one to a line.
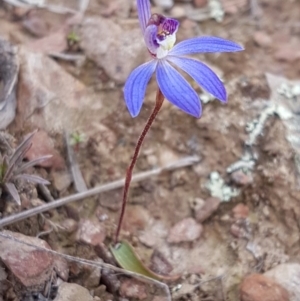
177,90
144,13
205,44
202,74
135,86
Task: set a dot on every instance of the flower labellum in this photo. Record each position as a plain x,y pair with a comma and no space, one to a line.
160,36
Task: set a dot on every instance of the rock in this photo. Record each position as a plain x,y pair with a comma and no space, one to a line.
93,278
3,274
239,229
232,6
119,52
289,53
69,225
43,145
8,81
53,40
288,275
131,288
240,211
166,4
71,291
61,180
136,218
211,205
241,178
35,24
61,268
200,3
52,100
167,156
257,287
154,234
29,266
178,11
262,39
160,264
91,233
148,239
186,230
102,293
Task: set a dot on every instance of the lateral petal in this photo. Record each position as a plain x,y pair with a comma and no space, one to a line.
135,86
177,90
205,44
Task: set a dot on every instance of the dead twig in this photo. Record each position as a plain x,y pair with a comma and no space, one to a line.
94,191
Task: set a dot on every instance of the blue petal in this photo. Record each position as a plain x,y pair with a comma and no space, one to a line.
202,74
205,44
135,86
144,13
177,90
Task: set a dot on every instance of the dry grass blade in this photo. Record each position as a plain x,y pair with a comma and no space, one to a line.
18,156
78,180
11,188
32,163
32,178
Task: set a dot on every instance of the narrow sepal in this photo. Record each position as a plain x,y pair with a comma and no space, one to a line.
202,74
144,13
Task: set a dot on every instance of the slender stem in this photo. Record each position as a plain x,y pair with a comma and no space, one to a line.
159,102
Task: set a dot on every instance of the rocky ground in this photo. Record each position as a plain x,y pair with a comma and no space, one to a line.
227,225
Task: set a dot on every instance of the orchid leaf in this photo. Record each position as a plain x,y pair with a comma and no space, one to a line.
127,258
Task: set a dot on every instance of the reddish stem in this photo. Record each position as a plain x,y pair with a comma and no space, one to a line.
159,102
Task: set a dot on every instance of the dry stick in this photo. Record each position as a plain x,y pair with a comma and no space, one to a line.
97,190
6,235
158,104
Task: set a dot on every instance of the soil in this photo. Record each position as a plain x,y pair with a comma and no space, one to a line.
229,248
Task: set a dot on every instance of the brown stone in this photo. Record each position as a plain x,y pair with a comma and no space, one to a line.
91,233
240,211
30,266
262,39
72,291
241,178
43,145
131,288
210,206
257,287
186,230
200,3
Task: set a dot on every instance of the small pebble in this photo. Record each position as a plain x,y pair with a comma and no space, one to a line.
186,230
240,211
262,39
288,275
211,205
91,233
131,288
257,287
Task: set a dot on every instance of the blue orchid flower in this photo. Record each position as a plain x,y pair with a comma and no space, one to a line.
160,37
